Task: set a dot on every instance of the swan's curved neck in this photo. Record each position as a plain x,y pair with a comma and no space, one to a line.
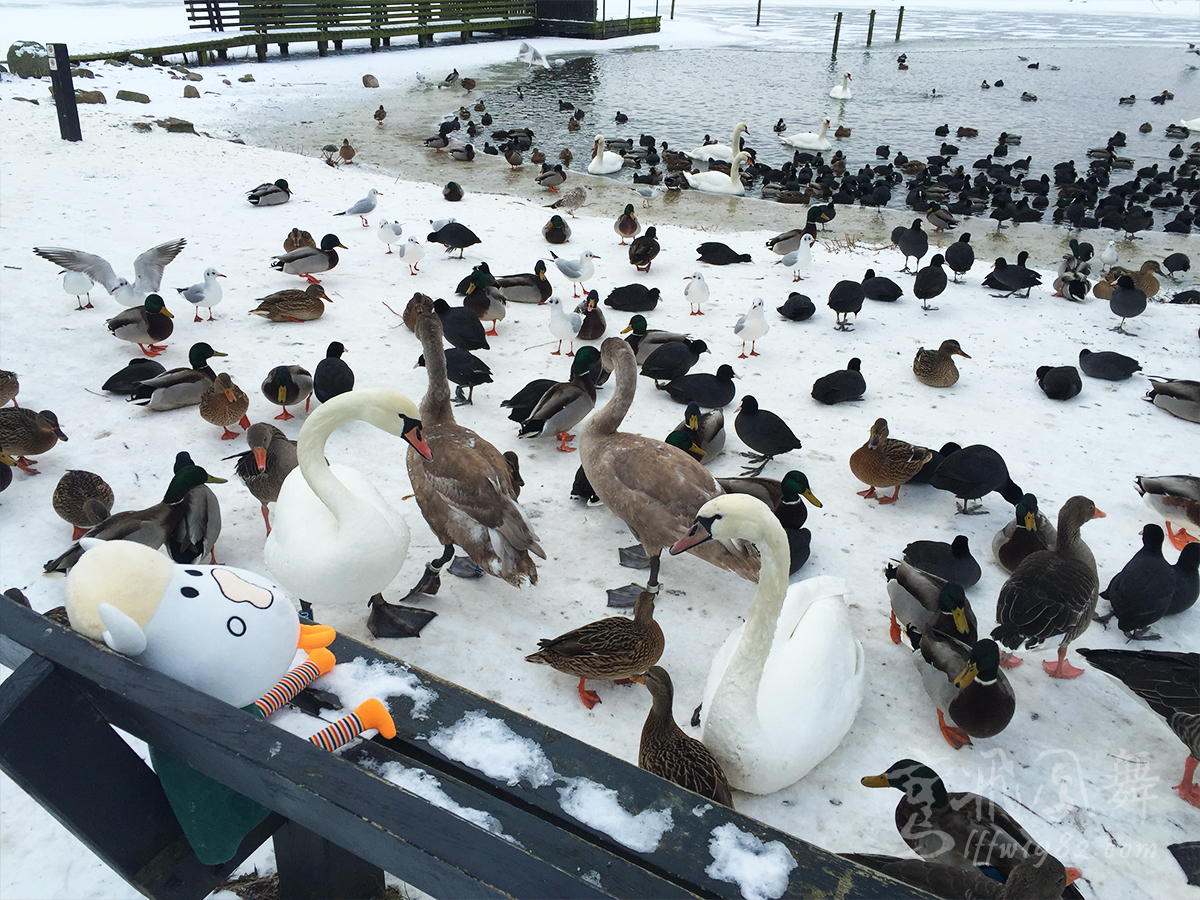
736,144
435,405
746,666
609,419
310,455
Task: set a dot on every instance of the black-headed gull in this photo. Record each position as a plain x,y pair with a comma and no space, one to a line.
363,206
389,233
530,54
577,270
564,325
147,269
206,293
77,284
696,293
412,253
751,327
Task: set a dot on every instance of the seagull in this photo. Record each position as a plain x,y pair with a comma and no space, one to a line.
206,293
530,54
389,233
147,268
751,327
563,325
578,271
412,253
799,259
77,284
647,192
696,293
1109,256
363,206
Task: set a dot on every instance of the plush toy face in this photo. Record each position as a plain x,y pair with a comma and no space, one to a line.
224,631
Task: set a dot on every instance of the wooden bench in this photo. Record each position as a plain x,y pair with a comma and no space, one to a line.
336,824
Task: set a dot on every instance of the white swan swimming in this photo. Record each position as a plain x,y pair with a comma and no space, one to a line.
719,182
842,91
786,686
334,539
808,140
604,162
1190,124
721,152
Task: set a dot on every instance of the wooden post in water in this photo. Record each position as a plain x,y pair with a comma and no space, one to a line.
837,33
871,28
899,22
672,10
757,17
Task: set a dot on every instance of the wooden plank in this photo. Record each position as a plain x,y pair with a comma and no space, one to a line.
402,833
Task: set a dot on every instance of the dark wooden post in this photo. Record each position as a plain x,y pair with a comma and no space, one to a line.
757,18
871,28
899,22
837,33
64,93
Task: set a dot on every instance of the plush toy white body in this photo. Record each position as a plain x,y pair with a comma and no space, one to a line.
225,631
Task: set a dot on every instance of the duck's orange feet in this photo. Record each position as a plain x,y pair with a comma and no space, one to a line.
893,498
77,532
955,737
1010,660
1062,668
589,698
149,351
229,435
868,493
285,415
1180,538
563,447
1186,788
894,630
310,279
26,465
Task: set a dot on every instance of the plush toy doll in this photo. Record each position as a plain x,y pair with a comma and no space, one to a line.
224,631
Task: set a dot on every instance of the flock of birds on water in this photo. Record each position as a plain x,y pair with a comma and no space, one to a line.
795,662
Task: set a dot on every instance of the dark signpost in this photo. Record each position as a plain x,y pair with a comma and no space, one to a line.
64,93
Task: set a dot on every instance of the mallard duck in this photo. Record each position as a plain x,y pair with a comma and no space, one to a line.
270,194
286,386
465,488
1028,533
651,486
1177,499
966,685
785,498
83,499
263,468
24,432
152,526
565,404
1178,396
952,561
296,239
667,752
785,687
224,403
144,325
644,249
644,340
594,324
700,435
305,261
453,191
551,176
486,299
176,388
333,375
962,830
1034,876
615,647
293,305
194,535
886,462
1168,683
556,230
928,602
936,367
1052,592
10,386
627,224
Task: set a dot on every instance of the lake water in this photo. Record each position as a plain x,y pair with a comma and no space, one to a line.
681,95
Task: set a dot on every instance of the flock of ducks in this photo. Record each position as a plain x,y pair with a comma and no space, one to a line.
786,687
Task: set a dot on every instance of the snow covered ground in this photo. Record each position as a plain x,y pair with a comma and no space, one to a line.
1085,766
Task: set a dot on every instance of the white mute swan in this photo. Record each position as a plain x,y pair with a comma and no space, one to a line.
334,539
721,152
1190,124
719,182
604,162
785,687
808,140
842,91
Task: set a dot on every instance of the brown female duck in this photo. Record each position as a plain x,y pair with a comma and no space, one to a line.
936,367
83,499
293,305
24,432
886,462
615,647
667,752
224,403
1052,592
